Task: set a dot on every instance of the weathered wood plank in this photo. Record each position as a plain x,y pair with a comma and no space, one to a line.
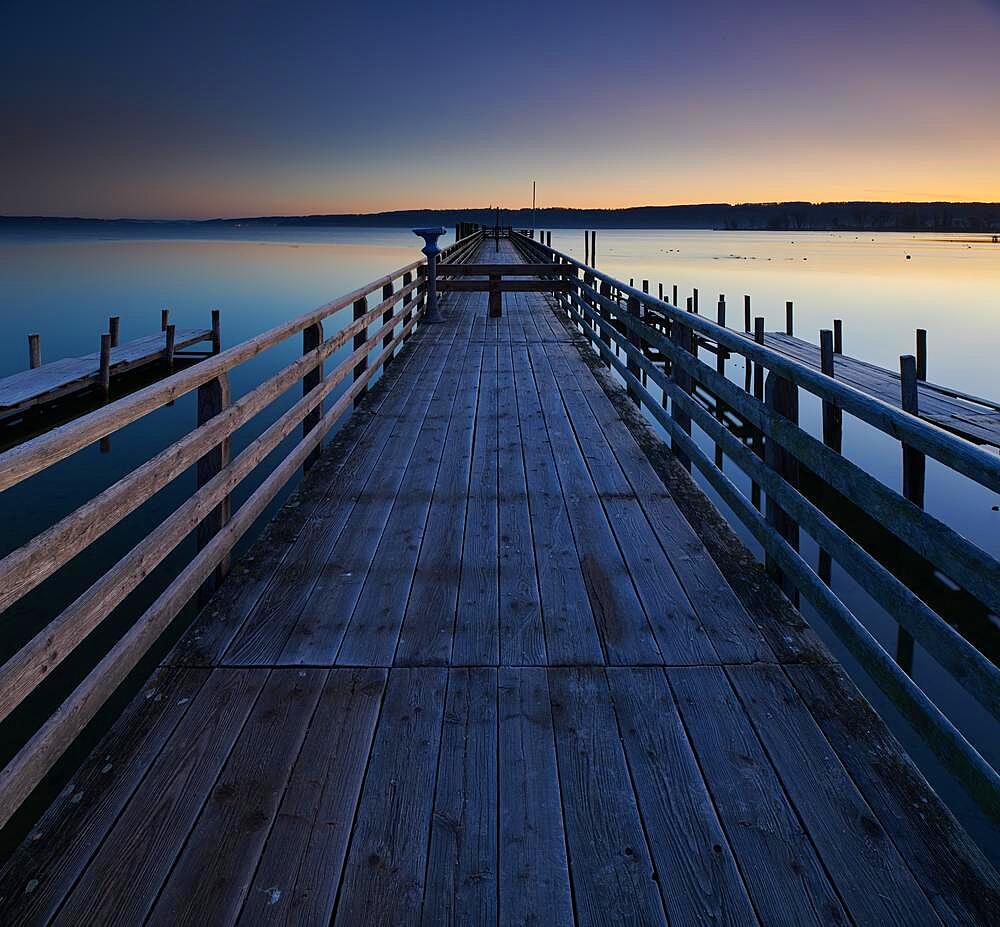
611,865
695,867
534,868
384,876
871,875
122,881
41,872
785,878
461,883
477,622
299,873
216,868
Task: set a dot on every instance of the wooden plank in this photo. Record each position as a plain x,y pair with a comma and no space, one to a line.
626,634
122,881
570,631
372,633
534,868
680,635
785,878
462,859
509,268
356,447
613,876
963,887
695,868
385,871
477,622
40,873
870,874
429,621
217,864
522,637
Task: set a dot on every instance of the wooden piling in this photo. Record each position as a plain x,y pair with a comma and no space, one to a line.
164,319
674,294
106,366
747,320
789,319
170,346
34,351
593,248
312,338
921,354
216,331
758,368
114,328
660,291
360,308
832,415
694,297
838,336
914,472
721,352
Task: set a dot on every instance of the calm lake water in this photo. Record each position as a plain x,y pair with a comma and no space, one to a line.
65,286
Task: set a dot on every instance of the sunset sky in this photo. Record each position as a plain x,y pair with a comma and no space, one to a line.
197,109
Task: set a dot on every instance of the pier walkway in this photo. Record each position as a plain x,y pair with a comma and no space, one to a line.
498,663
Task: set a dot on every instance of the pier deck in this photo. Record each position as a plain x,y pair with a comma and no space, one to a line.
484,670
970,417
71,375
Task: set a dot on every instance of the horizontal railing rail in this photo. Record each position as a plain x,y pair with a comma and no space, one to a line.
375,334
611,315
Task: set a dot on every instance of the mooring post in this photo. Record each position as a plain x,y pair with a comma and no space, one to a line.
216,331
659,294
360,309
170,346
921,354
431,249
114,327
789,320
164,319
213,399
758,368
747,320
387,290
914,473
838,336
593,248
34,351
586,247
782,397
312,338
673,301
106,366
694,300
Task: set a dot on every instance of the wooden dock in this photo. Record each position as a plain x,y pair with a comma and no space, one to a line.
971,417
498,662
69,376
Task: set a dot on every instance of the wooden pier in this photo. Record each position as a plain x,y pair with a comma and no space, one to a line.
498,661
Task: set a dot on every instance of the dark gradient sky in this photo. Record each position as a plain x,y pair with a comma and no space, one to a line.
222,108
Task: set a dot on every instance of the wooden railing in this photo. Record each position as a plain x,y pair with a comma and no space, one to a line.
617,317
392,304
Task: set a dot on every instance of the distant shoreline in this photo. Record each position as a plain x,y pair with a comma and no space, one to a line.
793,216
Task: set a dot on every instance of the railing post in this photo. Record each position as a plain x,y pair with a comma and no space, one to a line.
421,295
680,335
387,290
213,398
312,338
747,320
838,336
170,346
593,248
216,331
914,470
360,308
832,433
782,397
921,354
164,319
409,297
605,336
431,249
632,365
496,297
105,366
789,319
114,329
34,351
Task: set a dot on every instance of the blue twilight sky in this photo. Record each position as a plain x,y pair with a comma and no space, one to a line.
224,108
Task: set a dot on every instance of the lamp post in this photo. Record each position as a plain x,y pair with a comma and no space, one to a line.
431,249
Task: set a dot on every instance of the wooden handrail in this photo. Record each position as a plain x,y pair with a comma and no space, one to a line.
26,567
598,315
